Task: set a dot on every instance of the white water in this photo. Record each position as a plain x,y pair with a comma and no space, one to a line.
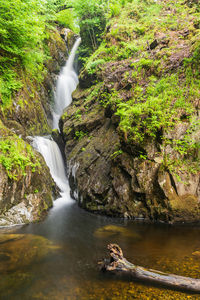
53,158
66,84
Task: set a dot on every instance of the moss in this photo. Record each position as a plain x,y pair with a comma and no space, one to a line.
17,157
185,204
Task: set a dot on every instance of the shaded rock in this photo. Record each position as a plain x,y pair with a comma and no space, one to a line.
186,183
184,207
26,199
69,37
146,175
165,183
153,45
108,176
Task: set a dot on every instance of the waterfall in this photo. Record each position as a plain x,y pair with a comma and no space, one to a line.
66,84
53,158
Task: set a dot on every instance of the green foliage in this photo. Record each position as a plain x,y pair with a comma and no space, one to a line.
94,93
22,31
93,16
78,114
116,153
91,66
146,114
66,18
115,9
162,87
144,64
8,84
188,145
17,157
92,21
80,134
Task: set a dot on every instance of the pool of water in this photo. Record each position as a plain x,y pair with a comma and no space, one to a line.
58,258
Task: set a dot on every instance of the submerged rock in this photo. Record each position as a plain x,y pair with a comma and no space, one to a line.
18,253
20,250
114,231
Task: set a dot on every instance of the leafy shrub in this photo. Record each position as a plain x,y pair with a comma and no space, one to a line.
91,66
66,18
22,31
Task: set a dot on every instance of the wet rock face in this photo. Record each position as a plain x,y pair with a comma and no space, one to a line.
108,176
69,37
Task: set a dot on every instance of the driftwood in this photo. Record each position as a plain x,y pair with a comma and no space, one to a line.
119,264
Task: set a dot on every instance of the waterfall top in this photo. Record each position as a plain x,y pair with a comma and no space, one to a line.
71,58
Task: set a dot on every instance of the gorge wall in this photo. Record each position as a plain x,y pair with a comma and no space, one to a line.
25,182
132,132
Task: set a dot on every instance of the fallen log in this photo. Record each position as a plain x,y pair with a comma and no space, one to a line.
119,264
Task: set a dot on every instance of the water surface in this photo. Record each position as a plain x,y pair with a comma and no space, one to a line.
58,258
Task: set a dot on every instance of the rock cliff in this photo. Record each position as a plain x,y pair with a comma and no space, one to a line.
132,132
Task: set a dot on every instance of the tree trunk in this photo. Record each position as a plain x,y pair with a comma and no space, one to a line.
119,264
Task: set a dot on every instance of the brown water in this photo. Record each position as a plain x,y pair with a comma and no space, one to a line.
57,259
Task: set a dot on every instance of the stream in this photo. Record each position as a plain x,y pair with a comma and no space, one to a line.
58,257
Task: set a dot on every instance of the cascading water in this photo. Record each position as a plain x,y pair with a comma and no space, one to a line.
53,158
66,84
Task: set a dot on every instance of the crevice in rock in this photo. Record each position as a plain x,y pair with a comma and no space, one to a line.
141,197
173,182
136,182
125,173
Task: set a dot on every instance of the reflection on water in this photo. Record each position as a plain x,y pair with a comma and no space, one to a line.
57,259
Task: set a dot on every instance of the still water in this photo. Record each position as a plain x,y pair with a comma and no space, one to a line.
58,258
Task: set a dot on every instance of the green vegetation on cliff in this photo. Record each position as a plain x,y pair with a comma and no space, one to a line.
16,156
24,29
149,62
92,17
30,44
